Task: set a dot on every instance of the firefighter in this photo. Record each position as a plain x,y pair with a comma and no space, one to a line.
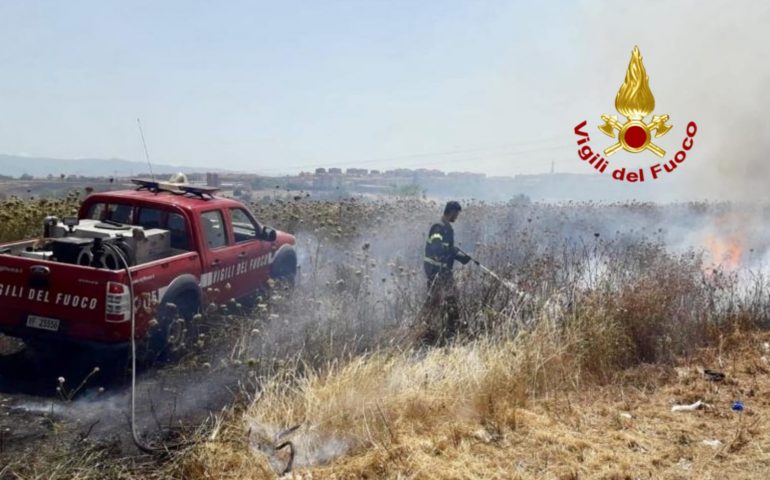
440,255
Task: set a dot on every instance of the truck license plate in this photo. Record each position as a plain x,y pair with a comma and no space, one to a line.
43,323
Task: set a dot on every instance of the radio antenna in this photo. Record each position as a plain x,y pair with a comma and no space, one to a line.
146,153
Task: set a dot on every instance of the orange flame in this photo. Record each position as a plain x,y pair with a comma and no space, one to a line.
634,99
725,252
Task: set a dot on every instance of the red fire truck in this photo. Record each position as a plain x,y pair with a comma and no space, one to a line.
145,252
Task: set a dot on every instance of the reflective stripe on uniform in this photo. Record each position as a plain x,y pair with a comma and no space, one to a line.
435,236
434,262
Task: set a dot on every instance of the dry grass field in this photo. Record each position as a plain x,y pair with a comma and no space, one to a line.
625,306
469,412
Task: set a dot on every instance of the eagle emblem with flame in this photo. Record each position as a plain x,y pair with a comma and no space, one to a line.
635,101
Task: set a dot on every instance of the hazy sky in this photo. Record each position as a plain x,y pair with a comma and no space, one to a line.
281,86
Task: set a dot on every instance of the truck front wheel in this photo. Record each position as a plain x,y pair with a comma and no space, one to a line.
284,269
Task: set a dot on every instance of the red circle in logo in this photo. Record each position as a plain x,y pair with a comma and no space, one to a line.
635,136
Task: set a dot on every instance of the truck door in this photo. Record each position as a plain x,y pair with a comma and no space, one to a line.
222,259
254,269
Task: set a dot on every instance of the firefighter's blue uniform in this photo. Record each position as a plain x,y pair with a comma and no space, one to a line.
440,255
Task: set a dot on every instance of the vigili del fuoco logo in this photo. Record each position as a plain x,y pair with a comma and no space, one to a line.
634,135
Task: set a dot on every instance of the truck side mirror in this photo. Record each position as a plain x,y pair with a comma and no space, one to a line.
268,234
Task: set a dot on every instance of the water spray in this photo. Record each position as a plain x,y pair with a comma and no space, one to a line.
505,283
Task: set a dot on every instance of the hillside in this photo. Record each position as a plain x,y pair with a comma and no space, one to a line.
15,166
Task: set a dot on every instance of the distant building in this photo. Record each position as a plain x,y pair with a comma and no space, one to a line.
335,171
467,175
360,172
429,172
399,172
213,180
320,171
327,182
